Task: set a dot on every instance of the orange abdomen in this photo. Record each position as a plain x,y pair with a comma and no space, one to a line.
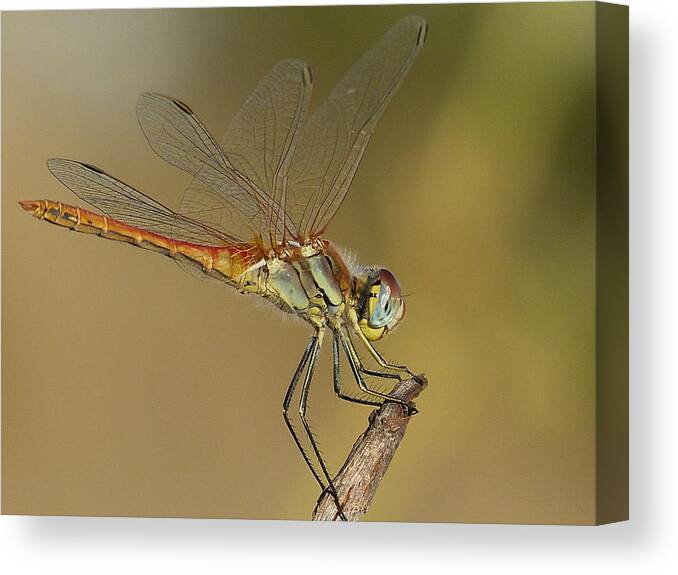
226,263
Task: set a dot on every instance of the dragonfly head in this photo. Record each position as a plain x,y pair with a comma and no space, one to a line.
381,305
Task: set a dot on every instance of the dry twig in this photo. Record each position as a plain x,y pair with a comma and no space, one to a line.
363,470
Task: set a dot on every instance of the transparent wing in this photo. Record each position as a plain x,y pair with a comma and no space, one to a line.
240,185
122,202
333,141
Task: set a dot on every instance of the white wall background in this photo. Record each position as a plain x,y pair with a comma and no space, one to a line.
648,543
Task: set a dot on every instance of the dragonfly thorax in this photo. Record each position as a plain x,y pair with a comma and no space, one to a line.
310,281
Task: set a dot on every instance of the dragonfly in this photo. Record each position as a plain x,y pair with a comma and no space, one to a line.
255,213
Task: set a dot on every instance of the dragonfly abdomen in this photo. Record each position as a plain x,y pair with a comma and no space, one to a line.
220,262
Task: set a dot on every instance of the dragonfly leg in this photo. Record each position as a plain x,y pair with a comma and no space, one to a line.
353,361
337,378
303,401
366,371
286,406
374,352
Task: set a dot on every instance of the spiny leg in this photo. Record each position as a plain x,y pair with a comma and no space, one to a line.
305,388
366,371
286,406
352,355
380,358
337,377
374,352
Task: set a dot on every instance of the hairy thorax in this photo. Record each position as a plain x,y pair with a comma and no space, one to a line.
311,281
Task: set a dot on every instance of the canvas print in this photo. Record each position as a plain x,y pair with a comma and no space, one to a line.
437,169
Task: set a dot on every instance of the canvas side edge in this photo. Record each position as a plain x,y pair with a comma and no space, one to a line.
612,263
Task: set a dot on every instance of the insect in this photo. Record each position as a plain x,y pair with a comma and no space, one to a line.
256,211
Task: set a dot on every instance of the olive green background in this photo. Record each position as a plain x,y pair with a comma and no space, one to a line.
132,388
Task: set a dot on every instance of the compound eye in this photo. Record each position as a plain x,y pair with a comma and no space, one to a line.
386,306
386,277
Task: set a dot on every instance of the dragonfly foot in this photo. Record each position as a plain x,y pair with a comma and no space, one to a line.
410,408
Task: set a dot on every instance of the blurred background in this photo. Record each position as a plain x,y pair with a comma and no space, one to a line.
132,388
